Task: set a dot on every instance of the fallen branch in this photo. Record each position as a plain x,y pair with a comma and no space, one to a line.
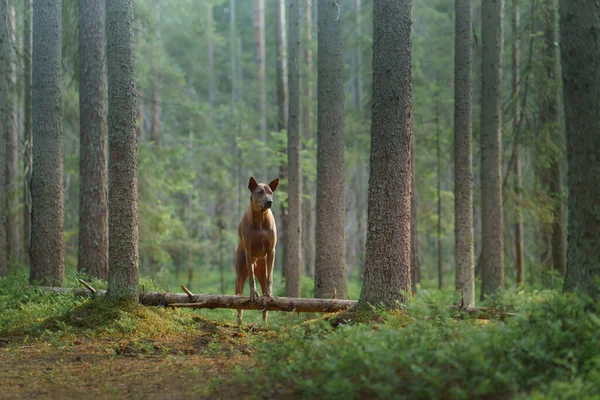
288,304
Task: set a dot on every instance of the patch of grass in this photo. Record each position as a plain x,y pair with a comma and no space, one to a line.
425,353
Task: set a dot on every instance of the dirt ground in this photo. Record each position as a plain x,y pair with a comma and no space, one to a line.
196,366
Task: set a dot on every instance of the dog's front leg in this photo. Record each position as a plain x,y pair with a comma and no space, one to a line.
250,264
270,264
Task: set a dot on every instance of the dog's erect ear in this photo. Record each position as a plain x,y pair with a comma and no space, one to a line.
252,184
273,184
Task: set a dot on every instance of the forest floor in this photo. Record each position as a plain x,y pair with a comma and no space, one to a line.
176,366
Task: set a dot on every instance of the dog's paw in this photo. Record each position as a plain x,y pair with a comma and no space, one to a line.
269,293
253,295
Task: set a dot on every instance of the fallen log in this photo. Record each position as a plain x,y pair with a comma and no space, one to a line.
286,304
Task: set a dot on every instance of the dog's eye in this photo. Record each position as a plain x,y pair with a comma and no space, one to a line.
260,191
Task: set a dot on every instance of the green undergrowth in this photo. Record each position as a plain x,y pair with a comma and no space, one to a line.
551,350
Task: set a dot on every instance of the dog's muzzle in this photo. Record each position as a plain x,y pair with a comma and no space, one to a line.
269,204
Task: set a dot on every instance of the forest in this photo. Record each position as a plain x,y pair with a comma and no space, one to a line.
402,196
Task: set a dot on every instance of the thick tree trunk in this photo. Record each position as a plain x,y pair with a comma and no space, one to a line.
387,261
580,57
122,148
282,110
293,251
330,263
491,134
308,216
463,172
518,226
93,197
47,254
12,151
4,50
27,140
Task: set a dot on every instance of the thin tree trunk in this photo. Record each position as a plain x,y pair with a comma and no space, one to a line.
387,262
47,218
463,172
211,59
4,52
155,130
330,263
123,216
580,58
358,80
293,251
27,140
360,215
308,217
93,198
260,58
140,131
282,109
518,226
12,171
491,134
439,198
415,270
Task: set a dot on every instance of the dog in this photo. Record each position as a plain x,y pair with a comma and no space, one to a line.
255,254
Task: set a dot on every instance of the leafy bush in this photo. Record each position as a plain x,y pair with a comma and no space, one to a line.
424,353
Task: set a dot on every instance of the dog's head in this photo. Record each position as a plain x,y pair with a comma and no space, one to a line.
262,194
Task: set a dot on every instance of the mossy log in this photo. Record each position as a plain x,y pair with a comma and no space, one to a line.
287,304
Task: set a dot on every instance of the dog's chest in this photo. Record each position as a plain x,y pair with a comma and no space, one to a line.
261,242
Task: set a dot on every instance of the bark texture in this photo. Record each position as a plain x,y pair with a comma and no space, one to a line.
12,143
387,260
518,225
293,250
282,108
122,147
580,58
330,262
415,267
93,195
463,163
491,133
47,254
549,115
27,138
3,138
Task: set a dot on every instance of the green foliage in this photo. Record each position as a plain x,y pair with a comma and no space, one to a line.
424,353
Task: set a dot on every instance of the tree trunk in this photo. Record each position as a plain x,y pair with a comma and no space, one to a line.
211,59
282,109
551,124
47,217
308,217
155,130
4,51
463,164
491,134
358,82
330,263
12,151
259,57
93,197
415,268
293,251
580,58
140,131
518,226
387,260
27,143
122,148
439,198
